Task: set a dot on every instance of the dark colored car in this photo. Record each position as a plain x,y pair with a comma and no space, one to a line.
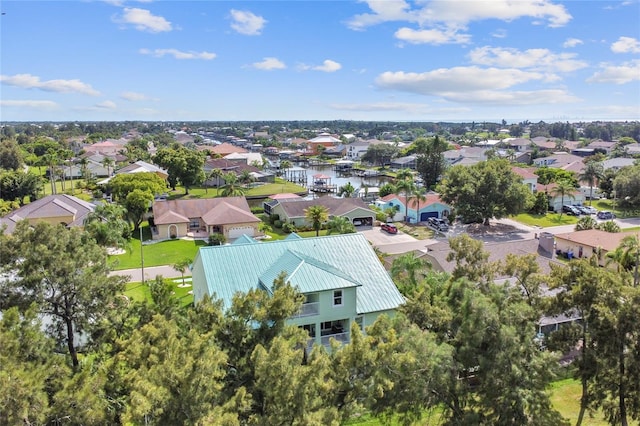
605,215
389,227
570,210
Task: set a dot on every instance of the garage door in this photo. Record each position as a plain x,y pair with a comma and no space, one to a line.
239,231
425,215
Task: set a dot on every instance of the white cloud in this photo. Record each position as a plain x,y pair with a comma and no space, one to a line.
28,81
37,105
626,45
571,42
432,36
499,33
327,66
411,108
106,105
269,64
457,79
178,54
617,74
247,23
144,20
457,15
496,97
535,59
134,96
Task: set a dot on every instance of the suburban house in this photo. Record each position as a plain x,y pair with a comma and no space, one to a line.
340,276
590,242
467,155
60,209
225,148
143,167
518,144
557,160
293,210
528,177
617,163
632,149
230,216
604,146
109,147
236,167
420,211
323,139
250,158
408,162
557,201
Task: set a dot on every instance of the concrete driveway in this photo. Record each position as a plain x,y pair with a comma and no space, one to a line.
394,243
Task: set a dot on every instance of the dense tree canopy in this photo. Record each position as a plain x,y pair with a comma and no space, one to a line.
489,189
183,165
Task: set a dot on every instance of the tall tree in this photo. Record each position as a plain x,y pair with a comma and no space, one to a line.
489,189
405,187
317,215
232,186
563,189
107,225
592,173
183,165
65,273
430,162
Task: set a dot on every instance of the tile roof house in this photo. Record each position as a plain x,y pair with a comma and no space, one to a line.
590,242
55,209
557,160
556,201
528,177
340,276
143,167
292,210
225,148
230,216
432,206
617,163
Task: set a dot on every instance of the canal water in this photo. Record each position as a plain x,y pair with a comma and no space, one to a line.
341,178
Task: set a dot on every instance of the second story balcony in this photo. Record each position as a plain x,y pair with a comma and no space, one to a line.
308,310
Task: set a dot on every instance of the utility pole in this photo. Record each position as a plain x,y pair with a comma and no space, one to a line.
141,253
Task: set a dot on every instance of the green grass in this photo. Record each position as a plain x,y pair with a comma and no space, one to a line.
157,254
545,220
565,397
280,186
140,292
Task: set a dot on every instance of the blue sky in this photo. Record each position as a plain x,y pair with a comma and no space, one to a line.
320,60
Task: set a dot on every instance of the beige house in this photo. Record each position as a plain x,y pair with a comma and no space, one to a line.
293,210
588,243
230,216
60,209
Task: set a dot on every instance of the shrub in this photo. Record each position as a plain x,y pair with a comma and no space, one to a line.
217,239
277,224
274,218
289,227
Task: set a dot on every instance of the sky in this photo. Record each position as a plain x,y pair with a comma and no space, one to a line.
384,60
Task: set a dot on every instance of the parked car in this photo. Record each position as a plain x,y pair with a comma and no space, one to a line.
570,210
605,215
590,209
582,209
438,224
357,222
389,228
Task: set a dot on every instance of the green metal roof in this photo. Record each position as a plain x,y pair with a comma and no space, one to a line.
308,274
312,264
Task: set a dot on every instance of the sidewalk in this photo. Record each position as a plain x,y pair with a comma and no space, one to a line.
150,273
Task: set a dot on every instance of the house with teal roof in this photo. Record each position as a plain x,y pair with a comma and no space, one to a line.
341,277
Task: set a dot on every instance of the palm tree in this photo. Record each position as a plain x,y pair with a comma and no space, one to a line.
407,187
317,215
346,190
285,165
181,266
585,223
84,168
404,174
340,225
627,256
592,173
408,265
264,228
108,162
245,177
418,194
51,159
232,187
563,188
609,226
217,174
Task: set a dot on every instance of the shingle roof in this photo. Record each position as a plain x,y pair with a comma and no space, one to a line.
49,207
313,264
336,206
596,238
214,211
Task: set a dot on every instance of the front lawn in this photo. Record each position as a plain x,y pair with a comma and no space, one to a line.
280,186
545,220
156,254
140,292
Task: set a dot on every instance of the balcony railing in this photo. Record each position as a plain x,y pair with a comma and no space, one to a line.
308,310
340,337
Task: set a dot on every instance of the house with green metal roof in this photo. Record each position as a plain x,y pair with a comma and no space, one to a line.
340,276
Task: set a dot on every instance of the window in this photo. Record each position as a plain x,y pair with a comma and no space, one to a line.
337,298
194,223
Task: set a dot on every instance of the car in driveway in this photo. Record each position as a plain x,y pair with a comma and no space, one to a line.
570,210
390,228
605,215
582,209
591,210
438,224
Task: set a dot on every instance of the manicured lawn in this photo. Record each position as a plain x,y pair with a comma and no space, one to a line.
565,397
139,292
278,187
545,220
157,254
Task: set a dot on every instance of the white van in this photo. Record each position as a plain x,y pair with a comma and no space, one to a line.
586,191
